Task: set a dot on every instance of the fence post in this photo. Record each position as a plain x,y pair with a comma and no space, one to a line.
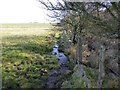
101,68
79,54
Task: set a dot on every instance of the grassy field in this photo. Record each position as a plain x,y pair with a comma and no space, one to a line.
26,25
26,55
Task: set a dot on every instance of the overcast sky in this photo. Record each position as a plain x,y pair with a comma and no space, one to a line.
21,11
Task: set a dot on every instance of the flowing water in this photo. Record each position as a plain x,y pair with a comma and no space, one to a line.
60,55
63,61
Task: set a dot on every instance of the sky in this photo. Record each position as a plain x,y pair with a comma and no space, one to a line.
22,11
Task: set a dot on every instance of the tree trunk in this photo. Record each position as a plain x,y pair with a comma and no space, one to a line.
74,35
79,50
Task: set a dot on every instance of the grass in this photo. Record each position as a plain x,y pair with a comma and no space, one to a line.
26,55
25,25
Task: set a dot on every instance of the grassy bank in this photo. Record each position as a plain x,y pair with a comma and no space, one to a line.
26,55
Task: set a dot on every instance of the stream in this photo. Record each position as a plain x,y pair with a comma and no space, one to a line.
60,55
53,78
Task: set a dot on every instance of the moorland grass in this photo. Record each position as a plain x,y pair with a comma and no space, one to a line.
26,55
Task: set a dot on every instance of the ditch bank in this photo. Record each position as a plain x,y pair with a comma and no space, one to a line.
56,78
